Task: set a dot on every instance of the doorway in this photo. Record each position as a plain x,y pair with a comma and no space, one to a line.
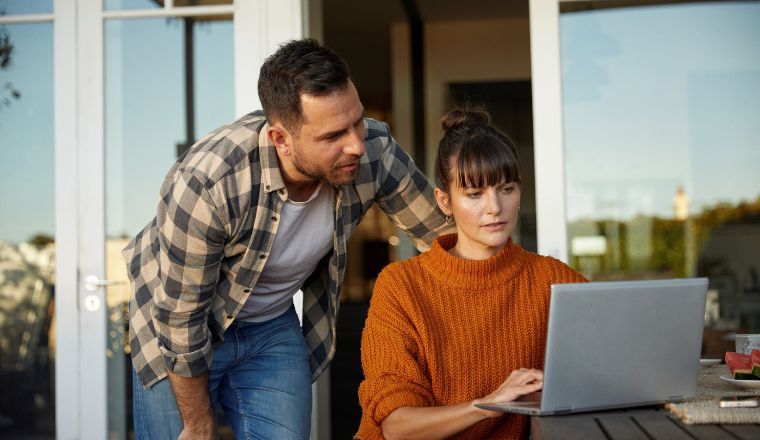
511,108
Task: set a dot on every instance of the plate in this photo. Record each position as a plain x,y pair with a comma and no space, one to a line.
748,384
708,362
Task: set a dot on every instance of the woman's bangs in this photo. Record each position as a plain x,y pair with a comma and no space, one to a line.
480,164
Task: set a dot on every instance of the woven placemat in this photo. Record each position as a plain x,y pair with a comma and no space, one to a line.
703,408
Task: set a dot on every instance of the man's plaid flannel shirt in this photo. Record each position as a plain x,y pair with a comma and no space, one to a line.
193,266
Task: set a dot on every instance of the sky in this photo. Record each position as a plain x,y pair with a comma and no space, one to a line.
27,6
26,135
145,104
660,97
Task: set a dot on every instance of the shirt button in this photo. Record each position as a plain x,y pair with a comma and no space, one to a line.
269,187
274,219
246,290
229,316
281,192
262,256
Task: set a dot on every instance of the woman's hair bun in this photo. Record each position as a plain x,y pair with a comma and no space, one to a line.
467,117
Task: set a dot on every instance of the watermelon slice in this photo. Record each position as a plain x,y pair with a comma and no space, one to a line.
740,366
754,358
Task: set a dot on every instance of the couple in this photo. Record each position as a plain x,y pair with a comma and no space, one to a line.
263,207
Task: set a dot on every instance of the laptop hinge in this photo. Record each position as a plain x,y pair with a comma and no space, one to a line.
563,409
679,397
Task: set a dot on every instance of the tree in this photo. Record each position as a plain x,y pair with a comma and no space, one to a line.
8,93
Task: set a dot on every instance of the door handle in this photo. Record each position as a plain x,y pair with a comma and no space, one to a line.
92,283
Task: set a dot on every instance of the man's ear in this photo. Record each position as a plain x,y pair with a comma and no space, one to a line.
443,201
280,138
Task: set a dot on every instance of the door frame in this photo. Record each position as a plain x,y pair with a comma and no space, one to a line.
548,141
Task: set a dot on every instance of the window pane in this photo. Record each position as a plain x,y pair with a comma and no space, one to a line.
157,103
16,7
112,5
27,247
117,5
201,2
662,146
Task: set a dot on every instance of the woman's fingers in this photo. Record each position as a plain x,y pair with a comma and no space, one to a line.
520,382
528,387
508,394
525,375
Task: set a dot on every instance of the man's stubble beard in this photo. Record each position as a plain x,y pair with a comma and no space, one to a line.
313,172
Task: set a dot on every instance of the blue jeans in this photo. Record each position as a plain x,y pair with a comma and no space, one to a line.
260,377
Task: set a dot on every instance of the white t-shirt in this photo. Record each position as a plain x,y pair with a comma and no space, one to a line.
304,237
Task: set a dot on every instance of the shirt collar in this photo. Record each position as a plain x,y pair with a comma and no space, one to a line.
270,165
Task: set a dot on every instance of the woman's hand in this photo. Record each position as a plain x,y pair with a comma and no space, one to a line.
519,383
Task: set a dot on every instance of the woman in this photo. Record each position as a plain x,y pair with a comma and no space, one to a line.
464,322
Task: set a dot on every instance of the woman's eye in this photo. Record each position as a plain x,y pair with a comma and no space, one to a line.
473,195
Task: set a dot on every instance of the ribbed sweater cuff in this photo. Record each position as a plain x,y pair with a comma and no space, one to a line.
368,430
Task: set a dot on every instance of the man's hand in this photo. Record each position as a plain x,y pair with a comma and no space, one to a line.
194,406
198,432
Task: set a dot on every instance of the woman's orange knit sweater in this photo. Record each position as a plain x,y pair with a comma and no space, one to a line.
443,330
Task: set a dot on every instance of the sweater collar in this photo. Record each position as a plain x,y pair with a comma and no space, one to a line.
491,272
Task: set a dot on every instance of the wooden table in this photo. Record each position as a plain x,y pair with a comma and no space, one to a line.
650,423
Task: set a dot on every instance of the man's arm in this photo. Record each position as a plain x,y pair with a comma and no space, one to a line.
191,247
406,194
194,406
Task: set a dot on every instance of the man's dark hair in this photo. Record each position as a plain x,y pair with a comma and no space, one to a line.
298,67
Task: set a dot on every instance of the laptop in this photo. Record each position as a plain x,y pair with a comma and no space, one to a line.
618,344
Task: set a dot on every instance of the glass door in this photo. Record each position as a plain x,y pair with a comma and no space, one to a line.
27,228
168,80
646,145
148,77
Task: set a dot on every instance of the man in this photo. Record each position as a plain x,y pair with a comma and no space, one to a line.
255,211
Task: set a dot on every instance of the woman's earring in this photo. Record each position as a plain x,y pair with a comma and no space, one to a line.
448,218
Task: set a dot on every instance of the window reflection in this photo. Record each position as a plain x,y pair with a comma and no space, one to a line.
159,98
661,147
16,7
112,5
201,2
27,248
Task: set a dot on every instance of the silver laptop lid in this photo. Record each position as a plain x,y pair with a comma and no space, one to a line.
616,344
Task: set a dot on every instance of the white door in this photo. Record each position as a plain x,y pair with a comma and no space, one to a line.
136,82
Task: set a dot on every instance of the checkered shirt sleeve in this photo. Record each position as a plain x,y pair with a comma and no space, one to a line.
405,194
191,236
